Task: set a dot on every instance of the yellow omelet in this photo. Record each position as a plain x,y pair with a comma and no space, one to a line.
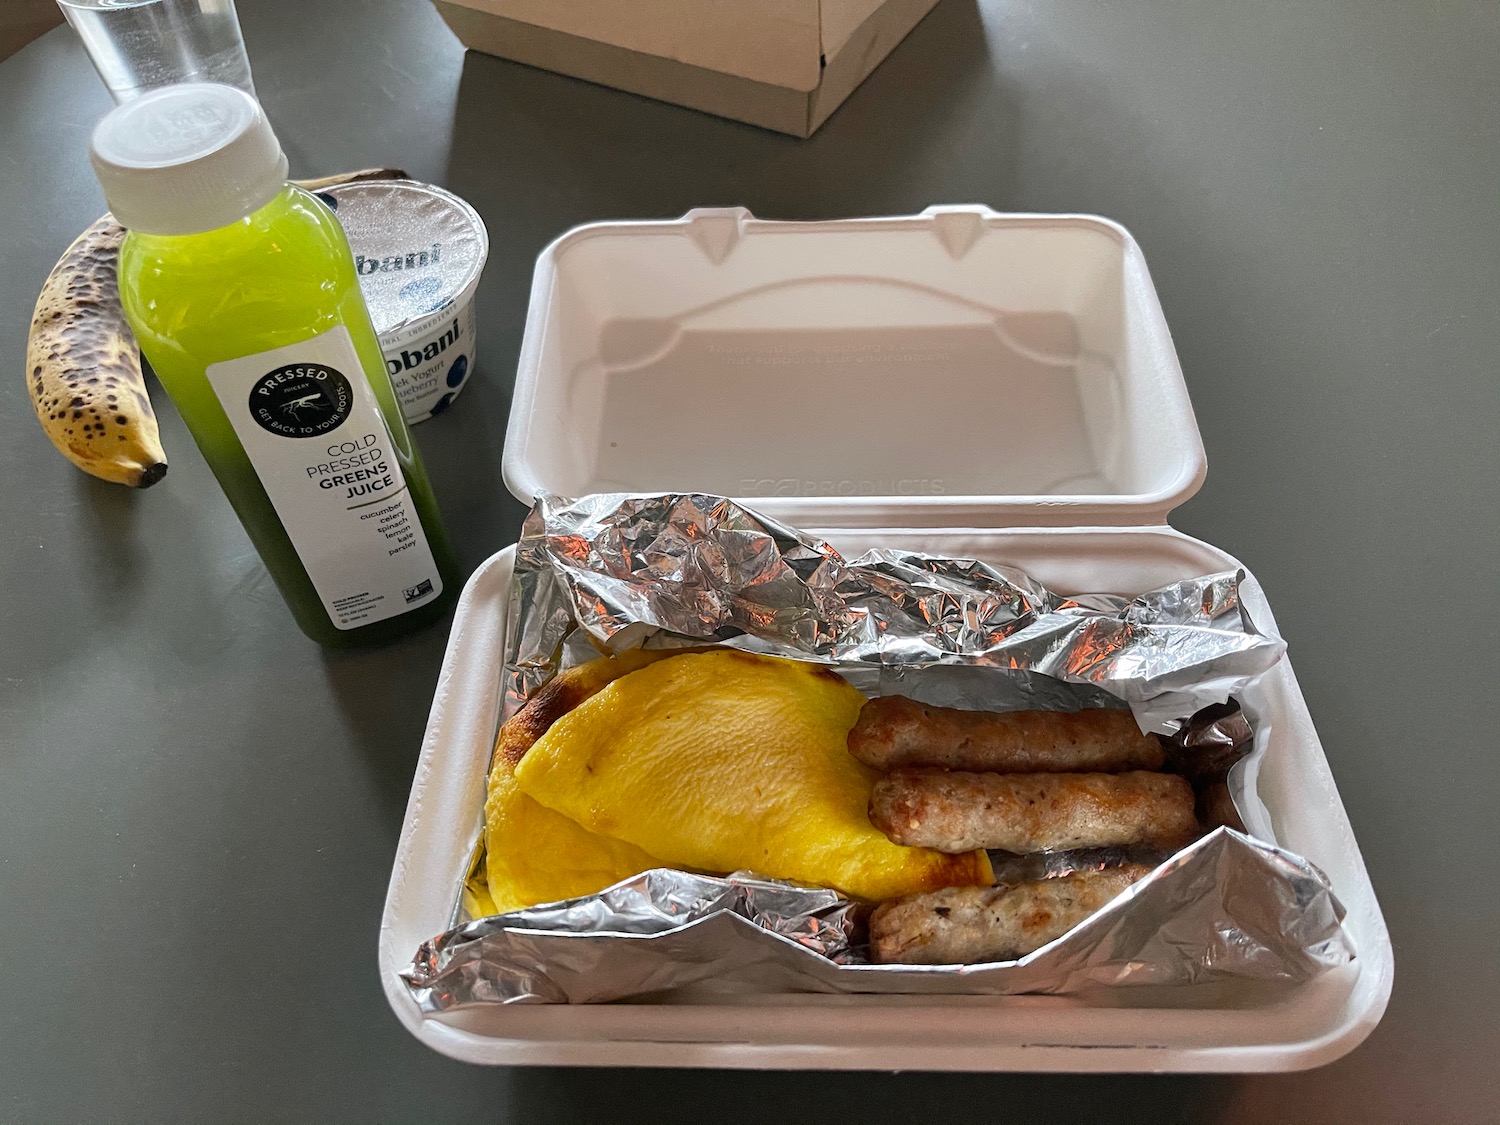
723,761
532,854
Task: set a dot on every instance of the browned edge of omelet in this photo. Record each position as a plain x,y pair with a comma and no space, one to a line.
553,700
559,695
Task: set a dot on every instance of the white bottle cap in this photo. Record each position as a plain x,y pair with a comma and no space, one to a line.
187,158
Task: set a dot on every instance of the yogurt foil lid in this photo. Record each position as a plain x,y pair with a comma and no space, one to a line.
417,249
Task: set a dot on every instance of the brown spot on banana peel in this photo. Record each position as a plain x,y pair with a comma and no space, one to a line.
79,333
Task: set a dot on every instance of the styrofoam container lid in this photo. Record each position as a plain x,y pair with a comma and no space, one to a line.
957,368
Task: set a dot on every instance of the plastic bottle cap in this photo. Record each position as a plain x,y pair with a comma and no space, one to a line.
187,158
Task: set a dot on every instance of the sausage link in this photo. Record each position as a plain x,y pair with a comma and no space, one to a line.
1037,812
894,731
972,925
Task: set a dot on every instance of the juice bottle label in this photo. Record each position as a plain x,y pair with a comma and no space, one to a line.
310,425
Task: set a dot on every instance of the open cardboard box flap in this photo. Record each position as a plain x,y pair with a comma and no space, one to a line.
782,64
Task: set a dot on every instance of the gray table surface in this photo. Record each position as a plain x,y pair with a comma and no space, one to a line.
198,808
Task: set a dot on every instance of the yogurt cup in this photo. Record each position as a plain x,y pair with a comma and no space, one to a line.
419,251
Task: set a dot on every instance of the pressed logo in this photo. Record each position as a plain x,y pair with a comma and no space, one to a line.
301,400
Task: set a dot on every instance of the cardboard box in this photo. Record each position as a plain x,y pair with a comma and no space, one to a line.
781,64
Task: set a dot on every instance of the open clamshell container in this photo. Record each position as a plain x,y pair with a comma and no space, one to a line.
998,387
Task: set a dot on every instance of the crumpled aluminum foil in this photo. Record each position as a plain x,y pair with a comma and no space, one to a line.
1225,907
677,570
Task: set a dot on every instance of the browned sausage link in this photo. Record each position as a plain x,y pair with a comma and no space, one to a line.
1032,812
971,925
894,731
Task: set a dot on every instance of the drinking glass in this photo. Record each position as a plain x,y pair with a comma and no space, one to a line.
138,45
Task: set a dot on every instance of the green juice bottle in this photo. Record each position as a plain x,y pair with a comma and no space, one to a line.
242,293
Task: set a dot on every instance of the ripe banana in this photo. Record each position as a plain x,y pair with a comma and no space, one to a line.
83,369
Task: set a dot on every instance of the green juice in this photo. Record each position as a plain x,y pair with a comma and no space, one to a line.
264,318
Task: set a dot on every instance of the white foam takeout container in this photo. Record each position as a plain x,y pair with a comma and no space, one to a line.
1001,387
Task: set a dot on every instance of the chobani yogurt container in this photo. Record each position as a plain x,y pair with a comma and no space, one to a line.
419,251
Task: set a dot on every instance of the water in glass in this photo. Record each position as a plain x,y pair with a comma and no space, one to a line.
138,45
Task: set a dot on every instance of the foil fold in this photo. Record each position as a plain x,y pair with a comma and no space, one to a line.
679,569
1226,907
607,573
